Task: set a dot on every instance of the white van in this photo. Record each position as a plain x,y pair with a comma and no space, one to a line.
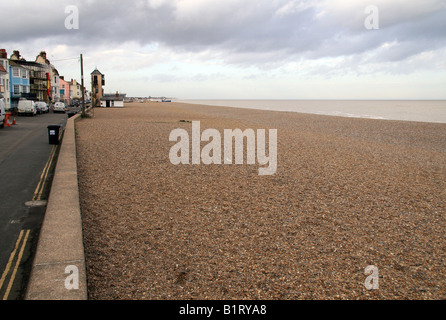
27,107
2,113
42,107
59,107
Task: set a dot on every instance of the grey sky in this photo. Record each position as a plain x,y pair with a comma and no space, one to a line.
182,42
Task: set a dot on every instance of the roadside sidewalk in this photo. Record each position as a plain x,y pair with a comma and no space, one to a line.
58,271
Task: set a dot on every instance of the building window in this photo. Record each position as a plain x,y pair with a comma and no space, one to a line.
15,72
16,89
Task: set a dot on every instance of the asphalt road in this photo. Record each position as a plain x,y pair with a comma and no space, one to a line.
27,162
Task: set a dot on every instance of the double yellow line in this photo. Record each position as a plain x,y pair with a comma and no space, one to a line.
43,177
20,245
17,254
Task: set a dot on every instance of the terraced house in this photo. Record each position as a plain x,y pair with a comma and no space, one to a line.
55,84
36,80
52,77
20,84
4,78
38,77
75,90
65,90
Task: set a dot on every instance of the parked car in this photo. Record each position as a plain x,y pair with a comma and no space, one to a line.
39,108
42,107
27,107
2,112
59,107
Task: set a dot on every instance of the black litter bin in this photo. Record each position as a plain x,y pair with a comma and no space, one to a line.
71,114
53,134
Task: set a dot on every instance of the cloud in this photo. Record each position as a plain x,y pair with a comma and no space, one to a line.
249,31
209,39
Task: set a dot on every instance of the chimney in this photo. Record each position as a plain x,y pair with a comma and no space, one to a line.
15,55
3,54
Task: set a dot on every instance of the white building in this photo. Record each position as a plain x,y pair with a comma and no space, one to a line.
55,84
113,100
75,90
5,89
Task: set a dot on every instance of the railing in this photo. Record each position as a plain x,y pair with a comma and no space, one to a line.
38,75
39,87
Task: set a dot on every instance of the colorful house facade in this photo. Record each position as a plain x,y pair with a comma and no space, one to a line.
20,83
64,90
38,77
39,80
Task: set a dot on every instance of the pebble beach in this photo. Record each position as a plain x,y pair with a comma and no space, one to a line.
347,194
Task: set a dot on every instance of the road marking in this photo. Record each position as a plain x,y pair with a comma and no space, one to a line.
40,187
11,259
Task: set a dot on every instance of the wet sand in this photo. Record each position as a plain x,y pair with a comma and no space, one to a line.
348,193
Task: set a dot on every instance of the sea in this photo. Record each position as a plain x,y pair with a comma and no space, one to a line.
404,110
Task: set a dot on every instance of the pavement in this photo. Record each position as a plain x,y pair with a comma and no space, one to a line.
26,165
58,270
